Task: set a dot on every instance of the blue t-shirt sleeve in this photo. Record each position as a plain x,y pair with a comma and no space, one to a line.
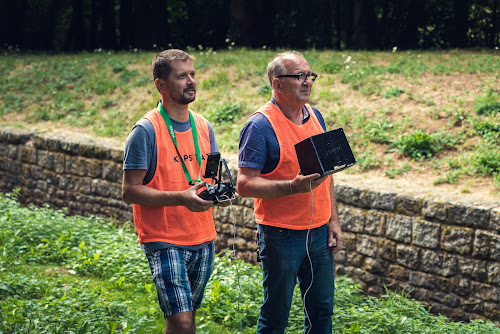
320,118
139,147
252,148
213,143
258,147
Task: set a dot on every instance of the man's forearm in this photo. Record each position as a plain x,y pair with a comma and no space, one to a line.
259,187
142,195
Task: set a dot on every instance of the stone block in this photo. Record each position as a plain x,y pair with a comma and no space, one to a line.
422,280
86,150
495,248
399,228
374,223
351,219
94,168
426,234
84,185
473,305
492,312
70,147
387,250
59,161
469,216
483,246
355,259
15,167
398,273
350,241
12,152
340,257
486,292
461,286
377,266
100,187
494,273
45,160
221,214
116,155
15,136
36,172
4,151
495,219
347,194
367,245
75,165
457,239
434,209
439,263
408,205
244,201
27,154
112,171
379,200
408,256
472,268
452,301
246,233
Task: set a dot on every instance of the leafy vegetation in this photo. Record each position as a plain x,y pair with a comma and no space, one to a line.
70,274
448,112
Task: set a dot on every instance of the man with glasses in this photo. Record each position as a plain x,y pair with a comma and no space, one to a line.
163,160
298,224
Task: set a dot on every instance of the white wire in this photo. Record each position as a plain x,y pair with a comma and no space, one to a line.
310,261
236,262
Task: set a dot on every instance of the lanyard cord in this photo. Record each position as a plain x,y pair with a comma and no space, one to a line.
170,127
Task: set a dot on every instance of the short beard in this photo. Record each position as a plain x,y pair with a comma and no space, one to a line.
183,99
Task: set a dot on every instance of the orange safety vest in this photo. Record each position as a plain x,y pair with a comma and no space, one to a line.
175,224
292,211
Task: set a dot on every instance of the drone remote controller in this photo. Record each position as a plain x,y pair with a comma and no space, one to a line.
220,191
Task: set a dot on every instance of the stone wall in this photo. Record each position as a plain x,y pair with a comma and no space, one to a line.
440,248
64,170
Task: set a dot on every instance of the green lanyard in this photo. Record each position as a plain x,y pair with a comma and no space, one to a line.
170,127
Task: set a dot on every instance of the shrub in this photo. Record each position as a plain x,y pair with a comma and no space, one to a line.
487,104
418,145
486,162
225,114
392,92
488,130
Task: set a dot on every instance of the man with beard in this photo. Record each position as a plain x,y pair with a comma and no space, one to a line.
163,160
298,224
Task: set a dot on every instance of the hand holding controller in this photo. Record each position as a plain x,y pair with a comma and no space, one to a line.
218,192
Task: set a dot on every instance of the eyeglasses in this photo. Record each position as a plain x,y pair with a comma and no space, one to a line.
302,77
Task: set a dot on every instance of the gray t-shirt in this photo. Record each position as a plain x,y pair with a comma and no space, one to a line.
140,153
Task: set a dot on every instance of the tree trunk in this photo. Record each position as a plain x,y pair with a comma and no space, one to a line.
75,37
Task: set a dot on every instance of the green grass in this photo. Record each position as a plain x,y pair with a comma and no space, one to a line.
69,274
445,92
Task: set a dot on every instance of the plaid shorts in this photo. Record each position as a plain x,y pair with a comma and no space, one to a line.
180,277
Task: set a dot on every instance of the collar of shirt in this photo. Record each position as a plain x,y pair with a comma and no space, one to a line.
305,112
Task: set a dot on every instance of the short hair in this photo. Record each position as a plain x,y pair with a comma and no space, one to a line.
162,61
276,67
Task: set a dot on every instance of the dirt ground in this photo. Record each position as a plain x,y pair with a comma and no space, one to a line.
426,103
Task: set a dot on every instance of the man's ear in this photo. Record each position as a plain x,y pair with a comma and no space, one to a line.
160,85
277,85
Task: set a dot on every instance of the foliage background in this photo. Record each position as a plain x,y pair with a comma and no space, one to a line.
72,274
56,25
